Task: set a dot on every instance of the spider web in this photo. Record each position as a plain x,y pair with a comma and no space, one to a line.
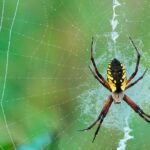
47,90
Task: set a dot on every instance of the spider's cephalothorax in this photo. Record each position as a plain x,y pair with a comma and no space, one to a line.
116,83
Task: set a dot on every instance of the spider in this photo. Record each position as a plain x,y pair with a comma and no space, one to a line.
116,83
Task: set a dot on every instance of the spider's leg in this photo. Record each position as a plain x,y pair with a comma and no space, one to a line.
99,125
94,64
137,109
136,81
100,117
137,63
94,74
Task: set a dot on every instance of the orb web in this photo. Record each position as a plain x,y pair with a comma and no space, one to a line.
47,91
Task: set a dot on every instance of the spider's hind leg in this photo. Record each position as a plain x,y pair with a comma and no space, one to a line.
136,81
93,44
137,63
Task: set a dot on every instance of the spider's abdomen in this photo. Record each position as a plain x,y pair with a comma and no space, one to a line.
116,76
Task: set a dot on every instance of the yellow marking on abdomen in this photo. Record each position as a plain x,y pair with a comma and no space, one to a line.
112,85
123,84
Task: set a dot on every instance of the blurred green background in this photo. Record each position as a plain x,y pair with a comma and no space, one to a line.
44,57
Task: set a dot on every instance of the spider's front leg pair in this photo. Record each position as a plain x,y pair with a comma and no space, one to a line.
101,117
137,109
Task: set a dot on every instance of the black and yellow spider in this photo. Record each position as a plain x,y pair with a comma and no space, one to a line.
116,83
